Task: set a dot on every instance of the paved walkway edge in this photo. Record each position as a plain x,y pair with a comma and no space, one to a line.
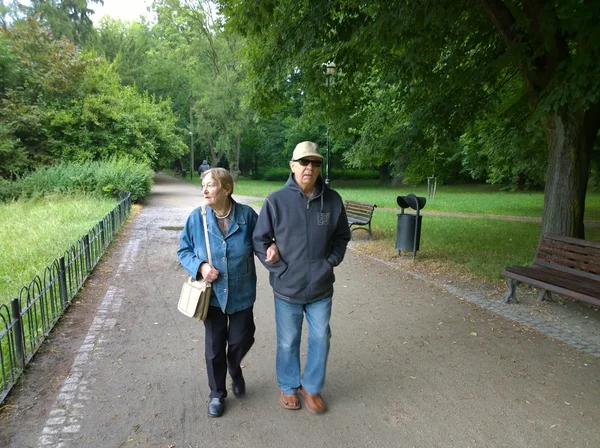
570,335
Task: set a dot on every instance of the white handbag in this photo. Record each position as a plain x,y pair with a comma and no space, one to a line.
194,298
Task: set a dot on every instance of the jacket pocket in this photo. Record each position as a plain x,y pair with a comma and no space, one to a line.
244,288
321,272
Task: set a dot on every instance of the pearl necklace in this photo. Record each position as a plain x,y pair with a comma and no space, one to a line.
228,213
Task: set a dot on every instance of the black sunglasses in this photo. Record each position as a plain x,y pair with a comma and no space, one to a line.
305,162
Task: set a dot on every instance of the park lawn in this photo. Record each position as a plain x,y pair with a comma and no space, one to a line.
34,232
479,247
475,246
476,199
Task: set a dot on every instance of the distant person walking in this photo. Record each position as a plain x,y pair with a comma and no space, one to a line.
307,222
203,168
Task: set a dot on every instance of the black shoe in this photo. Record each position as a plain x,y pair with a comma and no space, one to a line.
239,388
216,407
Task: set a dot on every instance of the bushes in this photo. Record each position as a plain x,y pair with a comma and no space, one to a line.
354,174
102,178
281,174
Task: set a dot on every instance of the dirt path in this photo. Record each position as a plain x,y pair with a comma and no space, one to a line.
412,364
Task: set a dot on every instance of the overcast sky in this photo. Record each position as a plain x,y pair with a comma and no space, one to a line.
120,9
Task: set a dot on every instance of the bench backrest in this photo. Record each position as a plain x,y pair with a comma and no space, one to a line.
359,209
572,255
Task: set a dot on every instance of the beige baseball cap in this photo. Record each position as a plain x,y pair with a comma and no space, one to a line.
306,149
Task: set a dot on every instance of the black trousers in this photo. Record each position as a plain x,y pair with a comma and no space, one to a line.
228,338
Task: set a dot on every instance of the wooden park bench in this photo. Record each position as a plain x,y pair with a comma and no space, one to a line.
360,215
568,266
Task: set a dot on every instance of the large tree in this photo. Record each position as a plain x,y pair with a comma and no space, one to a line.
68,18
444,64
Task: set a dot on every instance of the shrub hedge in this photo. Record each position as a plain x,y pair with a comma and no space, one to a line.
105,178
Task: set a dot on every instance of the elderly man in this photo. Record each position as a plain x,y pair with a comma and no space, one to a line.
307,223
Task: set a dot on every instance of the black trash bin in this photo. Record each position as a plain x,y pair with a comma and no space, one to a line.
408,231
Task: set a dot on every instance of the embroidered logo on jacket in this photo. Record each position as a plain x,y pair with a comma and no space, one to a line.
323,219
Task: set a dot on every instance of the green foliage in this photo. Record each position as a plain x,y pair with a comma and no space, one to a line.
282,174
188,58
13,157
109,120
414,77
68,18
43,73
275,174
125,175
348,175
522,162
106,178
59,105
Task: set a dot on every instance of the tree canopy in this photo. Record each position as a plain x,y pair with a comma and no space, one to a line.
500,91
424,83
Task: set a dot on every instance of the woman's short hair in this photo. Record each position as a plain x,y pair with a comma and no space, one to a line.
222,177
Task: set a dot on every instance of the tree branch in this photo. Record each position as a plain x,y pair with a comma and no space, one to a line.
506,25
550,50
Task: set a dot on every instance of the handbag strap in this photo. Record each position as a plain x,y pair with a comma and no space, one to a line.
206,235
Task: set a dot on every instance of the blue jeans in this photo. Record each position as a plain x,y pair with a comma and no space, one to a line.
288,320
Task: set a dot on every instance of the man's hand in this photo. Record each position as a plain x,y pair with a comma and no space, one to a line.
208,273
272,254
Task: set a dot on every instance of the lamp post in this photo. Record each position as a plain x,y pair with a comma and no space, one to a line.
329,72
191,155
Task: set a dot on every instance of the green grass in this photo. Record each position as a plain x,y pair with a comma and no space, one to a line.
477,199
36,231
480,247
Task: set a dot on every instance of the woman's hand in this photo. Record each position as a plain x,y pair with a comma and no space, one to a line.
208,273
272,254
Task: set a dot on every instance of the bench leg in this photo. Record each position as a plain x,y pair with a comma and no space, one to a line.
512,291
544,295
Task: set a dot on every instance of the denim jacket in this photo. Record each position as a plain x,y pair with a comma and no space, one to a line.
232,255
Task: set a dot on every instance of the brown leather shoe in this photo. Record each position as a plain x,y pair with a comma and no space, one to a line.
314,403
289,401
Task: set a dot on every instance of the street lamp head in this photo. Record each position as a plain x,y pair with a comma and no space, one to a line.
329,68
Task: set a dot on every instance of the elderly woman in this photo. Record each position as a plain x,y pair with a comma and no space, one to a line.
229,326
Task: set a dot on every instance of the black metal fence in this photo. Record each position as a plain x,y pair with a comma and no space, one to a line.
31,316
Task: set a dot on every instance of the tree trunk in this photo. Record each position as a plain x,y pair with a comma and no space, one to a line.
569,155
234,168
571,133
214,157
384,173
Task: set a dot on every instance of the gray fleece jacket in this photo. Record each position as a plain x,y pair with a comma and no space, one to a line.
311,236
